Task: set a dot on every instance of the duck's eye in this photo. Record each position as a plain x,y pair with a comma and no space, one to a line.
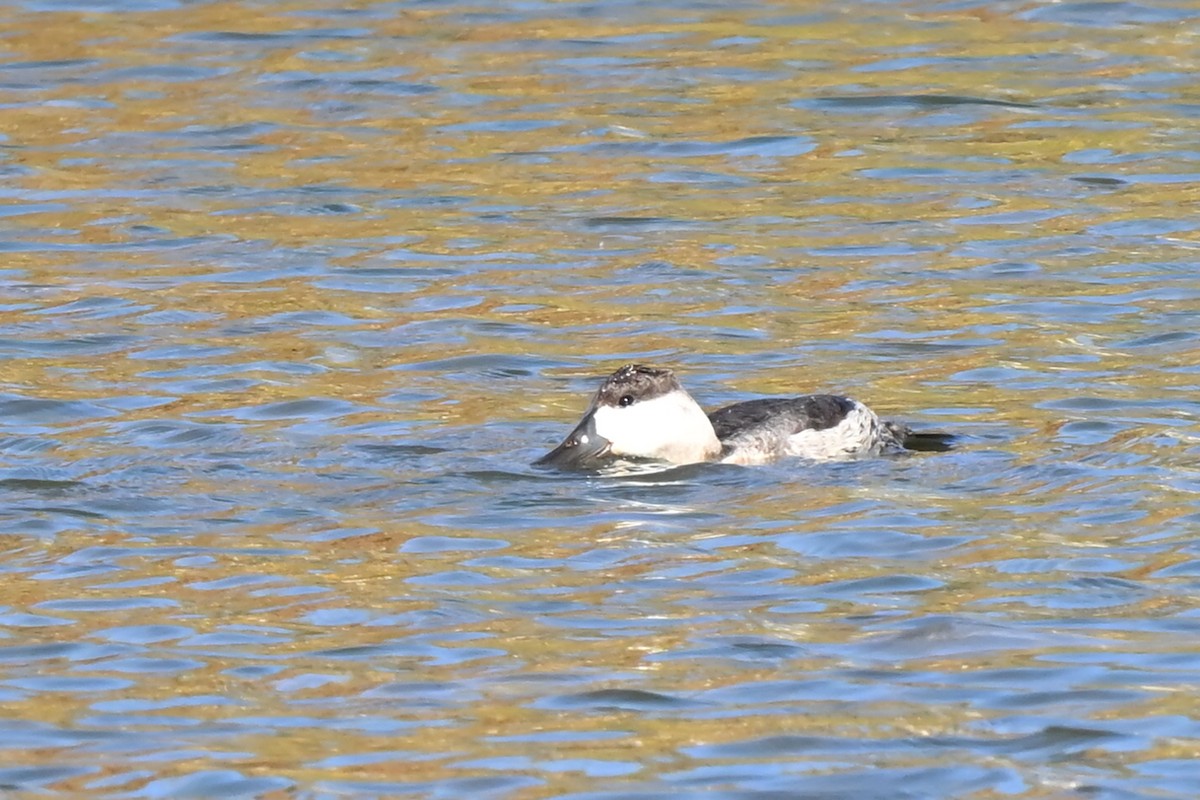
626,400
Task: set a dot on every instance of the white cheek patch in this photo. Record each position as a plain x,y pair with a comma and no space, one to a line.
633,430
671,427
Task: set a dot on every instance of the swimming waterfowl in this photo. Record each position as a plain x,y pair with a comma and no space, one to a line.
642,413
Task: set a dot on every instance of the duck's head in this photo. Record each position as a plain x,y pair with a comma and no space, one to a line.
639,413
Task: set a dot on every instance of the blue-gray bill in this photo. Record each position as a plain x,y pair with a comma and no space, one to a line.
583,449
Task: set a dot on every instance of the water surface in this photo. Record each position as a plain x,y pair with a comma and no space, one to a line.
292,294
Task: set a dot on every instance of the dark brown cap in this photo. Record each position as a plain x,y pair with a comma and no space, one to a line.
634,383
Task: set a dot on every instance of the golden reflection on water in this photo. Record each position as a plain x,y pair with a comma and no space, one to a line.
249,221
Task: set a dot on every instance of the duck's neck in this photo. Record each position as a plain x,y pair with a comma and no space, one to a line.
691,438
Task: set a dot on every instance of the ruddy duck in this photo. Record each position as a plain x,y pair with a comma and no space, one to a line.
642,413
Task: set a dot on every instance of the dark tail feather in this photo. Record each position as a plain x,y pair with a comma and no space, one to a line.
921,441
928,441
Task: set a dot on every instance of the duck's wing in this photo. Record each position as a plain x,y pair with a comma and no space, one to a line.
816,426
766,426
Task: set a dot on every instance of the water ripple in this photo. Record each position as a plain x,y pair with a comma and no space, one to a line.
291,300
